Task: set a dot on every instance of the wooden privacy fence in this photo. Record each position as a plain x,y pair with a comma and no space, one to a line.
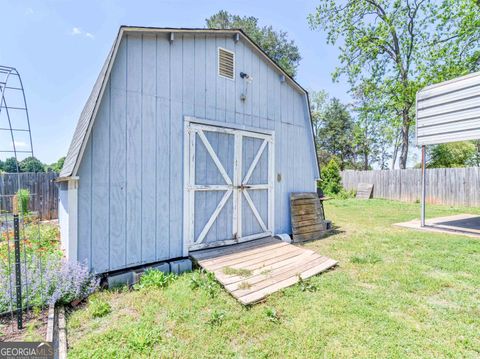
449,186
43,192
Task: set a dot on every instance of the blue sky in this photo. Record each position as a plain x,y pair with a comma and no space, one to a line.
60,46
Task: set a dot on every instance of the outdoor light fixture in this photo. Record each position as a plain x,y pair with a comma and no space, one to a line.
249,79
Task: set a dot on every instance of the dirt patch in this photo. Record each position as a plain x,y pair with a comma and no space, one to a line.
34,327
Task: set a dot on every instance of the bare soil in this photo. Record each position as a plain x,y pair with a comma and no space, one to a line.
34,327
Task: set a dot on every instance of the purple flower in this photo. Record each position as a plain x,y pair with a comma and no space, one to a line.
46,281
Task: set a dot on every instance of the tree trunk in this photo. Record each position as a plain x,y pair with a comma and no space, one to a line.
394,157
366,148
396,146
405,140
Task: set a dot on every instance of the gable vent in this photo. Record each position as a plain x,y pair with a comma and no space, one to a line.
226,63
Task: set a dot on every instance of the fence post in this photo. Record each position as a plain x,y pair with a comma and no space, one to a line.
18,270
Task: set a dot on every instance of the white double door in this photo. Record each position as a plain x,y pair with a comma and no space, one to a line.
228,185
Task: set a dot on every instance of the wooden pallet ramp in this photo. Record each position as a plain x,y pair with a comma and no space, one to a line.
253,270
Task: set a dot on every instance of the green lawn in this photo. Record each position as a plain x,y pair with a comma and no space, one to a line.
395,293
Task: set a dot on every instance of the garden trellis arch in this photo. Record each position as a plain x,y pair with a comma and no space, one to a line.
15,142
16,119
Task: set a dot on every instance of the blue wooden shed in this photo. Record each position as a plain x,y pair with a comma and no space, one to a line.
191,138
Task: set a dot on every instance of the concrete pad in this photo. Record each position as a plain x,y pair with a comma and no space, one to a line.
461,224
180,266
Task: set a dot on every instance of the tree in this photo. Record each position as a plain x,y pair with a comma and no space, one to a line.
56,166
318,104
10,165
2,164
457,154
475,160
334,127
31,164
399,46
275,43
369,130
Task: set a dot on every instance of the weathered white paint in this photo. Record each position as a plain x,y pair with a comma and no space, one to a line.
63,214
449,111
72,250
67,217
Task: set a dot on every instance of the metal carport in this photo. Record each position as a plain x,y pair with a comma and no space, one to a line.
447,112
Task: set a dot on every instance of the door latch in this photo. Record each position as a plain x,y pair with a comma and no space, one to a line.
243,186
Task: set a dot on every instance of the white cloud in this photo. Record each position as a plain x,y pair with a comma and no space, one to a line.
20,144
29,11
76,31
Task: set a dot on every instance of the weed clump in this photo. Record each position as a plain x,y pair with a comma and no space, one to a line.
99,308
306,285
153,278
216,318
272,315
205,281
237,272
244,285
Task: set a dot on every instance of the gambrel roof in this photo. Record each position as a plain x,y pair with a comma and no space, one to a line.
85,122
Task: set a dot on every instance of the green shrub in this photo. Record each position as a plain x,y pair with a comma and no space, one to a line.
23,198
99,308
331,180
153,278
344,194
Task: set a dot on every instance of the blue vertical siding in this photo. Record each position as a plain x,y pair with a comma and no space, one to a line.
131,174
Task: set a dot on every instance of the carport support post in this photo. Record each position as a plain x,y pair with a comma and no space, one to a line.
424,184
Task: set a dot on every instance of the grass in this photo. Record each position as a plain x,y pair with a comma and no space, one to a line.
396,293
241,272
369,258
99,307
244,285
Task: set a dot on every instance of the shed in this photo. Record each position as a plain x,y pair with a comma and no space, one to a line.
190,139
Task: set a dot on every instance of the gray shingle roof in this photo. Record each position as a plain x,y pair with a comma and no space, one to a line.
84,121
